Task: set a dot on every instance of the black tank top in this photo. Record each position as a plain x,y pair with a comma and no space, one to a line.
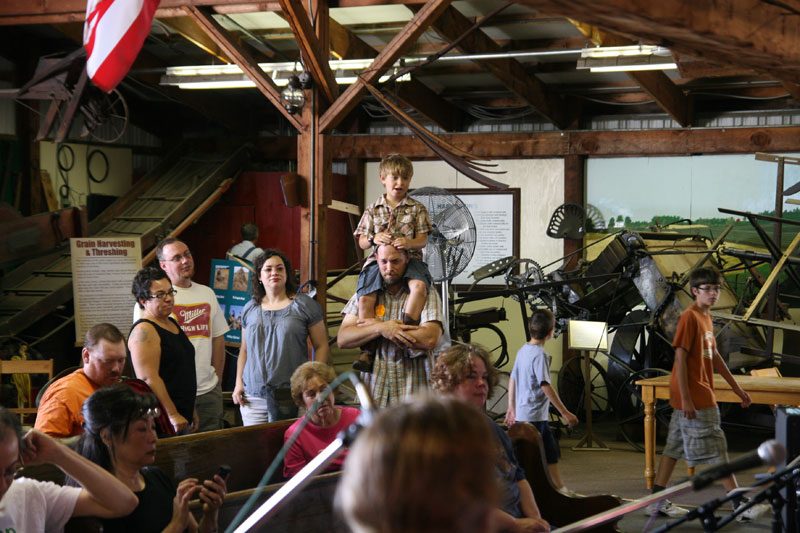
176,368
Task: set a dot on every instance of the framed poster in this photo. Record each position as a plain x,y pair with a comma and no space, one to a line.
496,216
102,271
230,281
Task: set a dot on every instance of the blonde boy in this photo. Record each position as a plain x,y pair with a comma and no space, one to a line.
403,222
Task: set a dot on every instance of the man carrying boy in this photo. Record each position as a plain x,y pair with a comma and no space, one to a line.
530,392
694,429
399,220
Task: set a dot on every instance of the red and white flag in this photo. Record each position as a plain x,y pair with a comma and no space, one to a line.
113,35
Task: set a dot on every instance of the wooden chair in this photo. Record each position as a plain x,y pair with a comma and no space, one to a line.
26,366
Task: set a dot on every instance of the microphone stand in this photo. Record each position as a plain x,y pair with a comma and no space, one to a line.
788,476
300,480
705,512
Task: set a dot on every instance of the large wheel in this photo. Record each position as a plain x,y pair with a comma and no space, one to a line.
491,338
572,392
105,116
629,408
636,346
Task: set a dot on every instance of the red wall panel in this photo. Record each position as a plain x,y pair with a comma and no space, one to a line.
257,197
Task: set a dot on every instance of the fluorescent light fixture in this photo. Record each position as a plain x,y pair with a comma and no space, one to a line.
626,58
231,76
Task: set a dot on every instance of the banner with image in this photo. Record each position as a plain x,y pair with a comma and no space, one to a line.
231,283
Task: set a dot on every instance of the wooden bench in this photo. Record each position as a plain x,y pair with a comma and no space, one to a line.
250,450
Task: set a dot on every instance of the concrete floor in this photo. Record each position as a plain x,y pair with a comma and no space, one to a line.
620,471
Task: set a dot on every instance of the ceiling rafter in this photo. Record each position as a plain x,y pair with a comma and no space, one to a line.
656,83
398,46
51,12
452,25
187,28
243,59
314,52
413,93
759,35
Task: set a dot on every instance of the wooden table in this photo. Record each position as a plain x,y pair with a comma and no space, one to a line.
771,391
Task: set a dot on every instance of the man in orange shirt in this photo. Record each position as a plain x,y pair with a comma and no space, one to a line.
104,356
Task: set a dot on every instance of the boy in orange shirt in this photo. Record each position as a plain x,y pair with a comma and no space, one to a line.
695,432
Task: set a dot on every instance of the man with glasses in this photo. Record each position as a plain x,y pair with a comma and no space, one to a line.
695,433
199,315
104,357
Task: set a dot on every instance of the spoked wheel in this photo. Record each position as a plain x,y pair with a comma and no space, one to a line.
629,408
491,338
105,116
572,392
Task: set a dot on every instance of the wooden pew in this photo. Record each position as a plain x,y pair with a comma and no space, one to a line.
247,450
556,507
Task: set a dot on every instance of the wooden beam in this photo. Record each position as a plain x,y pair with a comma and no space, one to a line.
793,89
413,93
633,143
574,193
689,67
347,45
187,28
14,12
760,35
240,56
452,24
314,52
398,46
666,94
416,94
657,84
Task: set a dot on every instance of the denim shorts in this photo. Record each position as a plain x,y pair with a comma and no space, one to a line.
699,440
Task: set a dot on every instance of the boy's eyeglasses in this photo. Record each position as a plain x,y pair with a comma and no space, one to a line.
162,295
711,289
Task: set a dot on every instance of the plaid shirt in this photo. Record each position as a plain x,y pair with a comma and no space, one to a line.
409,218
395,376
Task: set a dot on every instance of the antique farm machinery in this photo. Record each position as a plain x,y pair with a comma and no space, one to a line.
637,283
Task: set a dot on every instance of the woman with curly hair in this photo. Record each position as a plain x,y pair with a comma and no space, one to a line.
465,371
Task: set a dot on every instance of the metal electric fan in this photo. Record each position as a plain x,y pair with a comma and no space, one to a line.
452,241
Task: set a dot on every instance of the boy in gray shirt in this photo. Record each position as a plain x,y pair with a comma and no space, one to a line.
530,392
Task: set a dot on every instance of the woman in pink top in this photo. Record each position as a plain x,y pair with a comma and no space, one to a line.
308,383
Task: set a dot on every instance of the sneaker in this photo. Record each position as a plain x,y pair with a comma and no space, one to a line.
569,492
759,509
665,508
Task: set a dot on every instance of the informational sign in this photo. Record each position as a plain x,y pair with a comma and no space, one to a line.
231,283
588,335
103,269
496,216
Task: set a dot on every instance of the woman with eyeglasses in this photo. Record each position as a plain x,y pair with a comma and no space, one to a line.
120,436
161,354
37,506
276,327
